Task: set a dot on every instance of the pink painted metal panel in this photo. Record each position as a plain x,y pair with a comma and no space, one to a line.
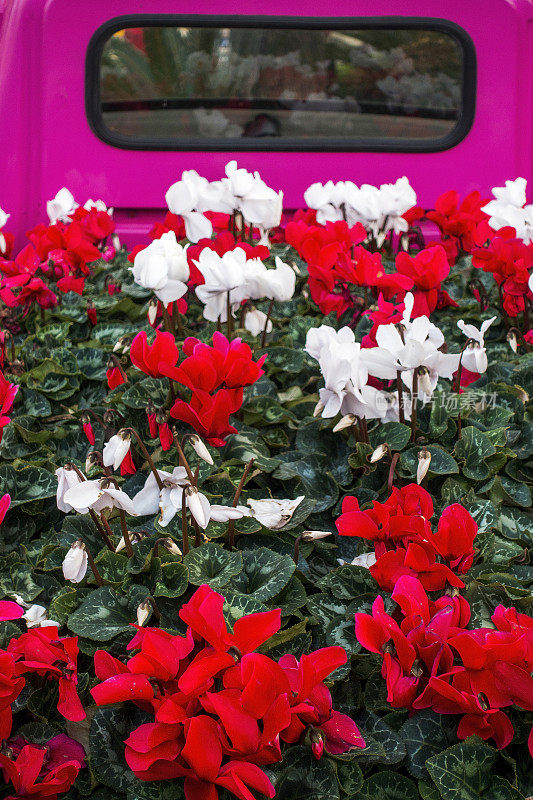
48,142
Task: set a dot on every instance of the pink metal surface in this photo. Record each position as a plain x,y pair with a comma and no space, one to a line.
46,142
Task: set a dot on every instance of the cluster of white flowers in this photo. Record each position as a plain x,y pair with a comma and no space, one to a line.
379,209
75,492
509,209
163,268
408,348
60,208
232,278
240,191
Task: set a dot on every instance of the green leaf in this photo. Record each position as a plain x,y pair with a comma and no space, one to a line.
304,778
395,434
463,772
264,573
425,734
241,448
213,565
36,404
103,615
109,730
27,484
474,447
442,463
388,785
140,393
173,581
348,582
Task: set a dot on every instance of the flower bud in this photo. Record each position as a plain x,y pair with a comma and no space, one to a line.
197,506
511,338
424,381
75,562
152,311
200,449
424,460
171,546
346,422
319,408
311,536
379,452
144,610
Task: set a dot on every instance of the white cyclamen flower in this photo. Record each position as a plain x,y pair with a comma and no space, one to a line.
66,479
255,321
186,198
75,562
200,449
147,500
225,513
474,356
37,617
98,494
163,267
116,450
61,207
274,514
365,560
3,218
223,274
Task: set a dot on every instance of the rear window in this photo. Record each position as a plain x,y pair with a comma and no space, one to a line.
281,84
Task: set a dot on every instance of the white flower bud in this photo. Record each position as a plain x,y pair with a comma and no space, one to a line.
198,505
143,612
171,546
75,562
380,451
311,536
424,460
346,422
511,338
116,449
319,408
200,449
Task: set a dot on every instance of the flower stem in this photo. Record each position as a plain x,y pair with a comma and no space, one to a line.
101,531
414,399
183,461
184,528
392,469
118,365
125,532
90,560
229,322
147,456
240,487
296,556
401,413
267,320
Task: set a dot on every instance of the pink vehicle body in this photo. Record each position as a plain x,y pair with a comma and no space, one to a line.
47,142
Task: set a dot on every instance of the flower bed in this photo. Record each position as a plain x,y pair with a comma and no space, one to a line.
266,492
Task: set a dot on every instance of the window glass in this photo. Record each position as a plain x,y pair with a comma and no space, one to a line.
244,85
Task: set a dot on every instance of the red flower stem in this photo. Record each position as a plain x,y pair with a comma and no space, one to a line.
240,487
101,531
90,560
168,320
183,461
267,320
125,533
296,556
229,322
184,529
197,533
393,463
414,399
147,456
196,474
400,396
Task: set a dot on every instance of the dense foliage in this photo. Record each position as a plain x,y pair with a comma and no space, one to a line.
384,555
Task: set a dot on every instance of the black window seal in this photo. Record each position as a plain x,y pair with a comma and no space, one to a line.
390,145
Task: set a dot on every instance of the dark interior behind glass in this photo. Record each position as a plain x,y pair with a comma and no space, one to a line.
236,85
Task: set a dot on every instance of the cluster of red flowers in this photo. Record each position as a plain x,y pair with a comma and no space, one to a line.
464,228
39,770
338,264
404,542
8,392
57,254
221,709
430,659
462,224
216,376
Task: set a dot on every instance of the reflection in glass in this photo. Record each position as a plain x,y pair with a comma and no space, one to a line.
238,83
